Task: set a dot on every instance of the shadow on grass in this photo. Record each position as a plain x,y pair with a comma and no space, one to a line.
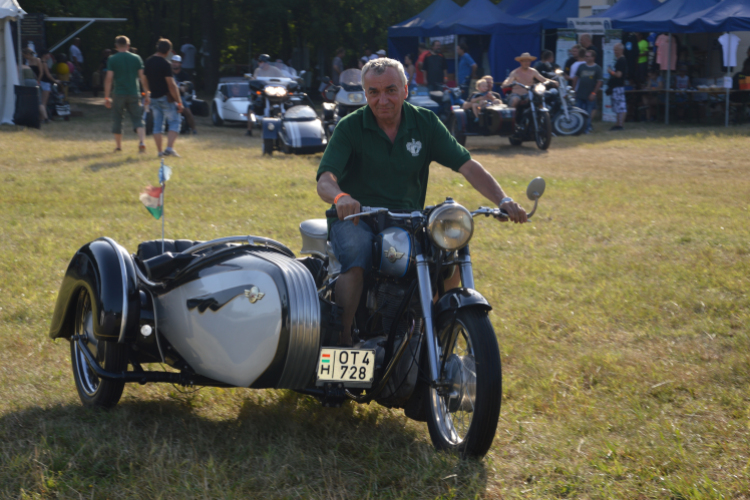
95,167
278,440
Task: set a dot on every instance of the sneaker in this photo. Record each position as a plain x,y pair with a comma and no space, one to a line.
171,152
161,153
141,148
117,150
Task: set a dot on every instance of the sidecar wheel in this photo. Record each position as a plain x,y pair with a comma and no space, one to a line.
464,418
268,147
94,391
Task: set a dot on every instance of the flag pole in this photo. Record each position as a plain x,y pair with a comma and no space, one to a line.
163,216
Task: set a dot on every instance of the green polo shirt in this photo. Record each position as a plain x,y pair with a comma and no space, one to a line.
124,67
380,173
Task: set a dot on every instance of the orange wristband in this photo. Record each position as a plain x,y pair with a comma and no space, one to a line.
338,196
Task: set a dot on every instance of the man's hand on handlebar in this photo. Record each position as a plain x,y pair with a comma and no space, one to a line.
348,206
515,212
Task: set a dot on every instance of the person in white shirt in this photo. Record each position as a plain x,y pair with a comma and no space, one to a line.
574,67
76,56
188,51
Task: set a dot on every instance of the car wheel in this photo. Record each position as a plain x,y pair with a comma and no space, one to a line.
215,118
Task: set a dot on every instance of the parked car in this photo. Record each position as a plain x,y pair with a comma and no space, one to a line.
231,102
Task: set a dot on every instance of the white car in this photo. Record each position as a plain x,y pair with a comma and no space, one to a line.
231,102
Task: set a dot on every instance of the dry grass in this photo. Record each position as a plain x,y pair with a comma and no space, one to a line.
622,315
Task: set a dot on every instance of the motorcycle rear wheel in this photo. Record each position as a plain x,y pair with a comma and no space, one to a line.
543,135
572,125
92,390
464,419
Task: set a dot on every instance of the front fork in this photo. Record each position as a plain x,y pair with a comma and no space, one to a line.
425,299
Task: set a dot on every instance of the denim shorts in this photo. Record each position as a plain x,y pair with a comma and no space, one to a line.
352,245
46,86
165,111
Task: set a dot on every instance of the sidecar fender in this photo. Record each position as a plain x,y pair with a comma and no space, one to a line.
106,271
271,128
460,298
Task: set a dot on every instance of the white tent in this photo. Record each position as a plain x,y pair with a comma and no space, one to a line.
9,11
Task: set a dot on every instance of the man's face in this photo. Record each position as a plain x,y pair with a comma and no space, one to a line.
525,63
590,58
176,66
618,51
436,47
385,94
585,41
460,52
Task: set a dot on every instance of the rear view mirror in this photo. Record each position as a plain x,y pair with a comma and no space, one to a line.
536,189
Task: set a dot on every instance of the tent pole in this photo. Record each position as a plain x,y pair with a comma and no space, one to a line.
669,77
727,60
455,59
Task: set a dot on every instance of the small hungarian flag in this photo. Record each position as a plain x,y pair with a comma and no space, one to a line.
153,200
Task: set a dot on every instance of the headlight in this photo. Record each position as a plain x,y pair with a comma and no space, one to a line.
275,91
539,88
355,97
450,226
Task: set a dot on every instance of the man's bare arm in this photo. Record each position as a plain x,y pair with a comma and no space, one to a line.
172,86
483,182
108,84
328,190
144,85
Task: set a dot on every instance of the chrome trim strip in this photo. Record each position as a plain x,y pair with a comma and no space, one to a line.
249,239
156,325
425,298
124,276
465,269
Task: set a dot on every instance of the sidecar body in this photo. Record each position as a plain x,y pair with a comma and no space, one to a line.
244,315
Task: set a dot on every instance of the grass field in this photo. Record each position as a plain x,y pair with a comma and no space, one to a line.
622,313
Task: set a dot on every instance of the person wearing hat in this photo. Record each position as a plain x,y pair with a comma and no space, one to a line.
380,53
180,76
362,61
265,69
525,75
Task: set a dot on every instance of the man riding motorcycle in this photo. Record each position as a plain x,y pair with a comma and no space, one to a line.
525,75
380,155
265,69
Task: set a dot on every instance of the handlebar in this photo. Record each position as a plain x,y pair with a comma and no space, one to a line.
367,211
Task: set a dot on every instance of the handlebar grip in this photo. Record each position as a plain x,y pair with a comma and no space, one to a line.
331,212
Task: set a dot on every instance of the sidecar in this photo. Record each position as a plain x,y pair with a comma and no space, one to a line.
497,120
297,131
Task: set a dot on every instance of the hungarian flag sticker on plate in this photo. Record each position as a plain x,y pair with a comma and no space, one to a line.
352,367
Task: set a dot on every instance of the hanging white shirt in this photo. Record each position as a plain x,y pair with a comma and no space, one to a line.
729,44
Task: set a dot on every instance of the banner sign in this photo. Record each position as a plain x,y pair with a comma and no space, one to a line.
595,26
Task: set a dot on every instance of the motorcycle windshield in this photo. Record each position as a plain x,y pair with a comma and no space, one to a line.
351,77
288,72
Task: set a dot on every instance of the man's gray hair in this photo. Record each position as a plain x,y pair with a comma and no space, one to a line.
379,65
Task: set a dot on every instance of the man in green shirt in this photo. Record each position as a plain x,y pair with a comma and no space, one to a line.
125,69
380,155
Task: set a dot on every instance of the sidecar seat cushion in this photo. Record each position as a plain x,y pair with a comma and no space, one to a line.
149,249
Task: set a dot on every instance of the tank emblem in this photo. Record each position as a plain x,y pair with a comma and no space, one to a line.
392,255
254,294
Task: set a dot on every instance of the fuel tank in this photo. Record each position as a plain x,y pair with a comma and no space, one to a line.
251,319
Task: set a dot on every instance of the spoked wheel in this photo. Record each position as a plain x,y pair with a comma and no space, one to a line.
463,417
543,133
569,125
94,391
455,131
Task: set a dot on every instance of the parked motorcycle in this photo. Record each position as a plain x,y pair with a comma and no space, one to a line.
567,118
529,121
242,311
439,102
342,99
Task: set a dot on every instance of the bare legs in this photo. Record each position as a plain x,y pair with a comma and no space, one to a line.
171,138
141,137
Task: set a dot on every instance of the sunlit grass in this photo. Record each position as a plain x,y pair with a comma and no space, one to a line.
621,311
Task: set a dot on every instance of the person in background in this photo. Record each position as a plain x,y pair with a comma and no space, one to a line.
481,98
125,69
423,52
266,69
581,59
76,57
568,66
587,82
642,73
546,64
46,80
369,55
338,65
166,104
410,71
435,68
654,83
63,72
467,69
362,61
525,75
681,83
380,53
188,52
617,85
183,77
587,43
31,78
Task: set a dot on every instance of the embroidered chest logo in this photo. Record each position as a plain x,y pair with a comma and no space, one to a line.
414,147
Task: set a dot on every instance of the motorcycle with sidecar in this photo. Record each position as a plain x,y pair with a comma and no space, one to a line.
342,99
244,311
529,121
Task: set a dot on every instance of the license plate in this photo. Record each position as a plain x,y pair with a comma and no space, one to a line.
351,367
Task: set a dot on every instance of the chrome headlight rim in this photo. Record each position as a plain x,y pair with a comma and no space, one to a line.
450,212
355,97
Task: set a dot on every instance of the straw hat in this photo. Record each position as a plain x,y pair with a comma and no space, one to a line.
525,57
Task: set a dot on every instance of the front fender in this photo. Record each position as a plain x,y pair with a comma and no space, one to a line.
574,109
460,298
271,127
106,271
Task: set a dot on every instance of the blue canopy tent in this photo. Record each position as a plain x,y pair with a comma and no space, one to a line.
403,37
514,7
625,9
551,13
660,19
729,15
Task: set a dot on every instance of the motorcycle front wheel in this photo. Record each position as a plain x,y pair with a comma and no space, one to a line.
93,391
568,125
543,135
463,418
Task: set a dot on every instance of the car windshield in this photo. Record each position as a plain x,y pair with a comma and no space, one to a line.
237,89
351,77
301,113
